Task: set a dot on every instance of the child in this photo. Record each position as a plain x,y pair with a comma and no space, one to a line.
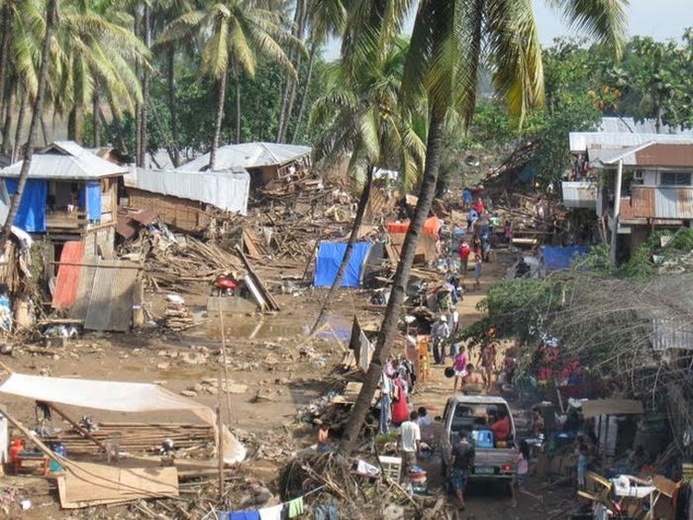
324,438
522,473
582,466
460,366
477,271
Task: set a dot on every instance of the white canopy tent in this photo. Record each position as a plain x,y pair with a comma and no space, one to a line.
117,396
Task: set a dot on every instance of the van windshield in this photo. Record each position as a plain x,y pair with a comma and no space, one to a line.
471,416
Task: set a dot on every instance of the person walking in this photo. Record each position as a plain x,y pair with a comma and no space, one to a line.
522,474
440,332
462,462
410,442
464,252
460,366
478,265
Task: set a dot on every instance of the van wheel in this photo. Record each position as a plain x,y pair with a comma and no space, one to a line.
509,488
443,470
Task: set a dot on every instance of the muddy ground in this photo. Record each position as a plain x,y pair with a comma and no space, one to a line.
271,355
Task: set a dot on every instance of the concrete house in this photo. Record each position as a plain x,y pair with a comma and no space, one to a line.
70,195
635,182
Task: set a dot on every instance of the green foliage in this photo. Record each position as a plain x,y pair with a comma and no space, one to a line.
517,307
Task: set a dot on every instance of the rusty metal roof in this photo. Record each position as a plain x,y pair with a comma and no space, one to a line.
65,293
660,202
652,155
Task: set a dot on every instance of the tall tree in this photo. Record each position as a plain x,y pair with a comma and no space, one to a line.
235,34
50,24
443,62
365,121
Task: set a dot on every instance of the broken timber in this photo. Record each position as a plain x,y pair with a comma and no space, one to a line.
257,288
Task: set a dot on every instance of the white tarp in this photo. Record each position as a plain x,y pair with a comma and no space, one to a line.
116,396
225,190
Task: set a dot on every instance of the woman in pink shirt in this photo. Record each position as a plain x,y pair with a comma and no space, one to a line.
459,364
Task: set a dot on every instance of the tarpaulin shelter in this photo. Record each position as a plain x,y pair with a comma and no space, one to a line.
119,397
560,258
329,258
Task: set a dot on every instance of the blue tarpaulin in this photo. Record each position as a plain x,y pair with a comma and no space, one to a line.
330,255
31,215
93,193
560,258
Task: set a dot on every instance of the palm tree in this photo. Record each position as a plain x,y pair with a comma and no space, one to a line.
95,48
367,122
449,40
236,35
50,23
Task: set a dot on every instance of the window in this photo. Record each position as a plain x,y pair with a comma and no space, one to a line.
675,179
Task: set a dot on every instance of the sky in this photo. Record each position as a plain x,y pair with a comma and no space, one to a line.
661,19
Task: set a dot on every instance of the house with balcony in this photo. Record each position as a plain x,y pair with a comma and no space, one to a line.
70,195
653,170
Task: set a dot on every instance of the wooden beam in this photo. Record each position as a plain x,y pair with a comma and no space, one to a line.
39,444
76,426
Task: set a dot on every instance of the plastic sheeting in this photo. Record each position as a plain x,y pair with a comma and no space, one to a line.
31,215
93,202
115,396
560,258
329,258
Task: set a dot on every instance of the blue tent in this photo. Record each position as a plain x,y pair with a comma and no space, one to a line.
329,257
560,258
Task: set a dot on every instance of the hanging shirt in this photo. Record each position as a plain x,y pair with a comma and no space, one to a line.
272,513
295,507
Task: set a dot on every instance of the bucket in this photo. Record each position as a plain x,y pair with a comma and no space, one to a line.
59,449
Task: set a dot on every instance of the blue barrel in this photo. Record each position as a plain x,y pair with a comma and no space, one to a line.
59,449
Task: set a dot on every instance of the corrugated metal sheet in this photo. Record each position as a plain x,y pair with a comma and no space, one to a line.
581,141
662,154
249,155
65,293
67,161
105,295
671,333
579,194
662,202
629,125
224,190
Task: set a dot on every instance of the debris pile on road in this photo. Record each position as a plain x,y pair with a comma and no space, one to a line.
176,316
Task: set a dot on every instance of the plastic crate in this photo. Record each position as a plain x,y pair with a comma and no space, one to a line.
392,467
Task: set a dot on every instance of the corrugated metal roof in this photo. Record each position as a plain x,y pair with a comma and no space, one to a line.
581,141
104,299
628,125
248,155
668,155
67,282
65,160
227,190
671,333
661,202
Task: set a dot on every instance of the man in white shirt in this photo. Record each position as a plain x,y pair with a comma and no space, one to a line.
410,442
440,331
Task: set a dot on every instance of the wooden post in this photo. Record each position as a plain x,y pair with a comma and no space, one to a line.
138,308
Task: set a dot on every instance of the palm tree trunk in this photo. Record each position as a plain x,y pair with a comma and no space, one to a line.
388,329
292,100
304,96
237,79
122,145
51,15
20,126
298,13
356,226
6,23
7,128
75,123
144,132
95,121
173,110
221,99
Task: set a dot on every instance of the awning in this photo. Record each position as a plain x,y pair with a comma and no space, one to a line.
116,396
611,407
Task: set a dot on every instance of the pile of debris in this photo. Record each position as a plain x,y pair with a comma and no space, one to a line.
176,316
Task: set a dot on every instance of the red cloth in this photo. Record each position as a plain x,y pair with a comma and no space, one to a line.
465,251
479,207
400,408
501,429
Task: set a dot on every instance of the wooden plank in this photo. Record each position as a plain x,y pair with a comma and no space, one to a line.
250,245
87,484
271,302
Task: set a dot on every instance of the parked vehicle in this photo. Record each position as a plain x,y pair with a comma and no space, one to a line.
494,459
